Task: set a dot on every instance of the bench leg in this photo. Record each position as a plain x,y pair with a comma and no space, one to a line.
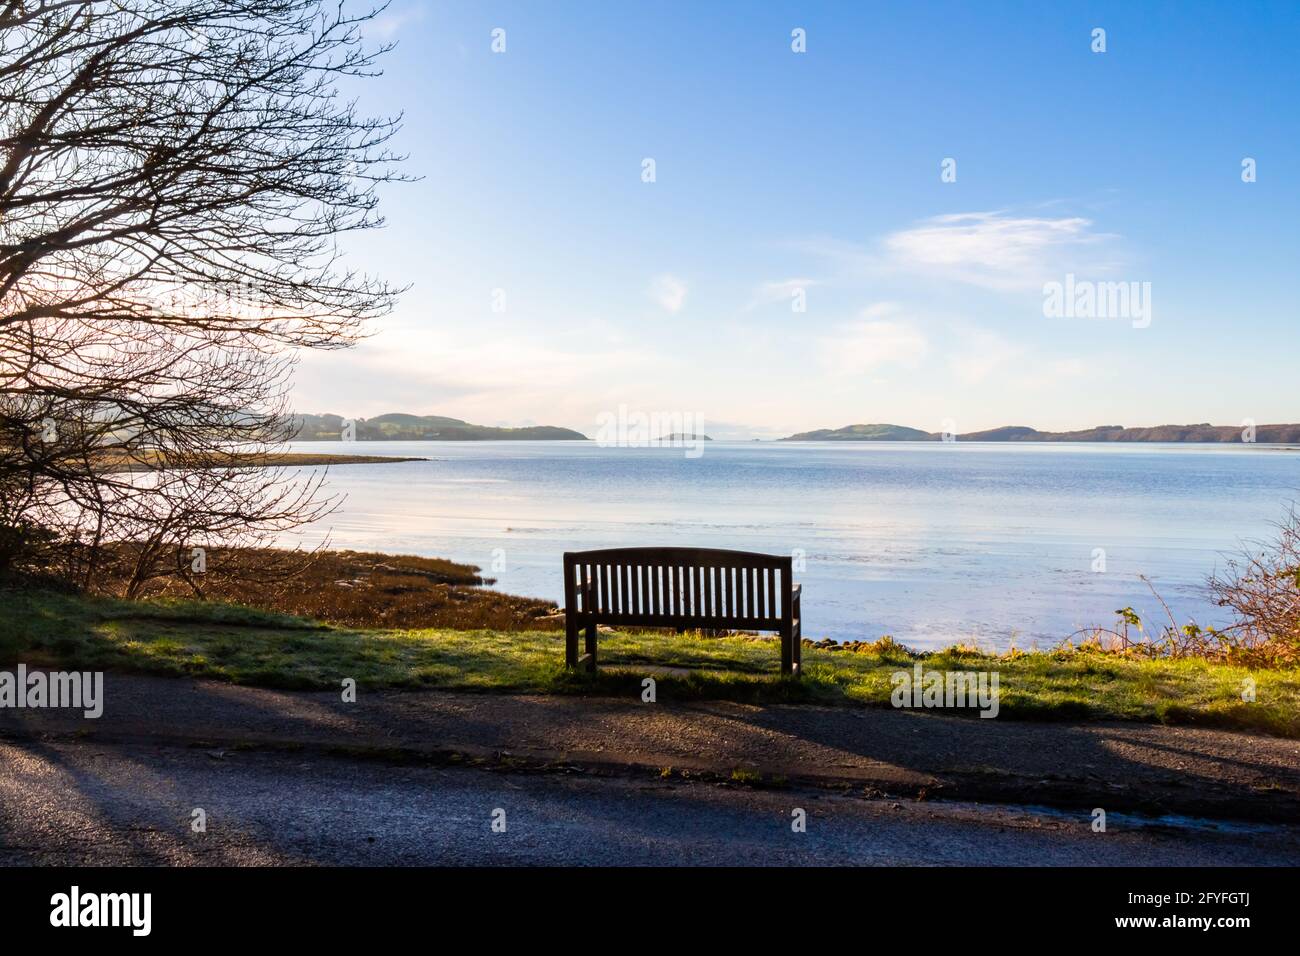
591,648
570,641
787,650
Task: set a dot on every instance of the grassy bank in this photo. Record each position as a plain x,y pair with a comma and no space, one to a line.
226,642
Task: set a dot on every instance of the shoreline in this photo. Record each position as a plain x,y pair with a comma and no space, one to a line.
268,460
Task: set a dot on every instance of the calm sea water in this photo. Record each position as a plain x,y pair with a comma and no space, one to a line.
932,543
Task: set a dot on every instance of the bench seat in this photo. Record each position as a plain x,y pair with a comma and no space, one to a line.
682,588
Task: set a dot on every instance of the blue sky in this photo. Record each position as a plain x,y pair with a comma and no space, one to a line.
821,171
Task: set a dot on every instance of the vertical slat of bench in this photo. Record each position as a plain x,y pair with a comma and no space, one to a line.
629,589
589,600
647,596
750,610
771,592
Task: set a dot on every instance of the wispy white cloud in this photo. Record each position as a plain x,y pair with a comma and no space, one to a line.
782,290
877,339
996,251
390,24
991,250
669,292
482,379
979,353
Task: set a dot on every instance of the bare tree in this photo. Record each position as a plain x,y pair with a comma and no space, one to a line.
1261,586
174,177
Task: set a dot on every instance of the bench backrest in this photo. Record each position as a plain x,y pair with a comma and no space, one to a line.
679,587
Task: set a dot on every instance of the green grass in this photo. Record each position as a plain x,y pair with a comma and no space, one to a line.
245,646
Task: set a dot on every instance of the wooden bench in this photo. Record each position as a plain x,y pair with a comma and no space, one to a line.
682,588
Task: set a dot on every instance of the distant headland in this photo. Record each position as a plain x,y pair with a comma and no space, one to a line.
398,426
402,427
1156,433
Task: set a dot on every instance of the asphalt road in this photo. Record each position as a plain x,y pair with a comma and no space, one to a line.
88,802
1123,767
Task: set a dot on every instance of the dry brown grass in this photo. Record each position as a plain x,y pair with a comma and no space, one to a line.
154,461
361,589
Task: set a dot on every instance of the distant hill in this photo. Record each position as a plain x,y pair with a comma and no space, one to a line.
864,433
1008,433
398,426
1154,433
